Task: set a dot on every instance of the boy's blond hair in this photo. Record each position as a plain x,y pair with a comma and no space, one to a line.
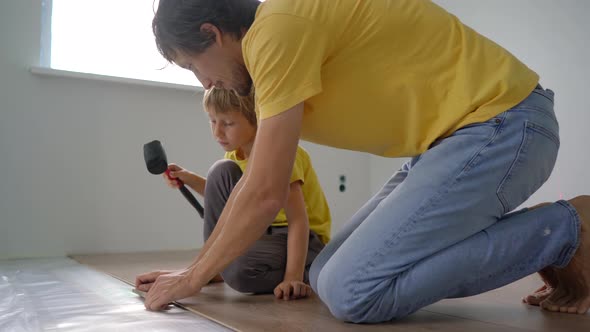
224,101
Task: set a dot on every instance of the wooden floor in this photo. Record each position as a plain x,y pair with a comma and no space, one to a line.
499,310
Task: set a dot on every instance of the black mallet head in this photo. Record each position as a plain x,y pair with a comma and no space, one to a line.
157,163
155,157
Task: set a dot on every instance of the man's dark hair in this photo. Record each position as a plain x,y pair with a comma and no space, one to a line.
177,23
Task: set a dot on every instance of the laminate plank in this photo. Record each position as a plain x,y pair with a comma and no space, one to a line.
493,311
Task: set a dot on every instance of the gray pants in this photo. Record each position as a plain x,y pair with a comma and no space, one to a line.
262,267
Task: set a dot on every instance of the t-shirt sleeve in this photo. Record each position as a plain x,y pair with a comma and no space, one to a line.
284,56
299,166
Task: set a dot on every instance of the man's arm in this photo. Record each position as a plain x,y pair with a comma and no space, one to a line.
217,229
251,207
262,194
144,282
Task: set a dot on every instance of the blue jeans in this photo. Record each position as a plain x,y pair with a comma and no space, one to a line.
441,228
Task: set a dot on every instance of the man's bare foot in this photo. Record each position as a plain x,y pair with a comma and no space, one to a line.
550,279
572,294
548,276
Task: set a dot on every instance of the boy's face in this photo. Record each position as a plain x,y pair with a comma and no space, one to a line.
231,130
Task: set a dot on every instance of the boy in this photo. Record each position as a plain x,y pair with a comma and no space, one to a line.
279,261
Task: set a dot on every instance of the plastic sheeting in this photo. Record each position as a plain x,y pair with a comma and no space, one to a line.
61,295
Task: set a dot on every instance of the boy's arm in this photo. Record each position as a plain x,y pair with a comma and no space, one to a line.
292,286
298,233
196,182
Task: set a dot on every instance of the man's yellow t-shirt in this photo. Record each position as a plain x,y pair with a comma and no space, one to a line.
388,77
317,208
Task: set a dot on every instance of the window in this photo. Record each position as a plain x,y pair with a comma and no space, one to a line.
106,37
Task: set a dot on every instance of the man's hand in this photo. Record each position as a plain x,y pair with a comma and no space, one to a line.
170,287
145,281
292,290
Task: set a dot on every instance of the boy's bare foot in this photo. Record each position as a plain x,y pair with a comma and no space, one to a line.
572,293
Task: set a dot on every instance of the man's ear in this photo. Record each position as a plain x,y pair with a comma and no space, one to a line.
210,29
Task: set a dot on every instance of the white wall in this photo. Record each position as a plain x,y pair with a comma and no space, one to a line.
72,174
551,37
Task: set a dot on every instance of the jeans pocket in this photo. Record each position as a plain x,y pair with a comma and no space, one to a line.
531,167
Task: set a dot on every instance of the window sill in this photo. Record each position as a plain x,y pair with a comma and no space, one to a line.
44,71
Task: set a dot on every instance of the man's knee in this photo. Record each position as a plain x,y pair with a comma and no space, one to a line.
349,303
314,273
336,294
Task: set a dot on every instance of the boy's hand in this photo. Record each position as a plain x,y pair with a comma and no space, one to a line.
292,290
176,172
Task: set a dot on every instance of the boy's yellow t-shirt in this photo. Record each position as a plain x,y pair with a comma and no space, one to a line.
388,77
316,205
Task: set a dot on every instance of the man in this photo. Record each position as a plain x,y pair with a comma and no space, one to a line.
393,78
